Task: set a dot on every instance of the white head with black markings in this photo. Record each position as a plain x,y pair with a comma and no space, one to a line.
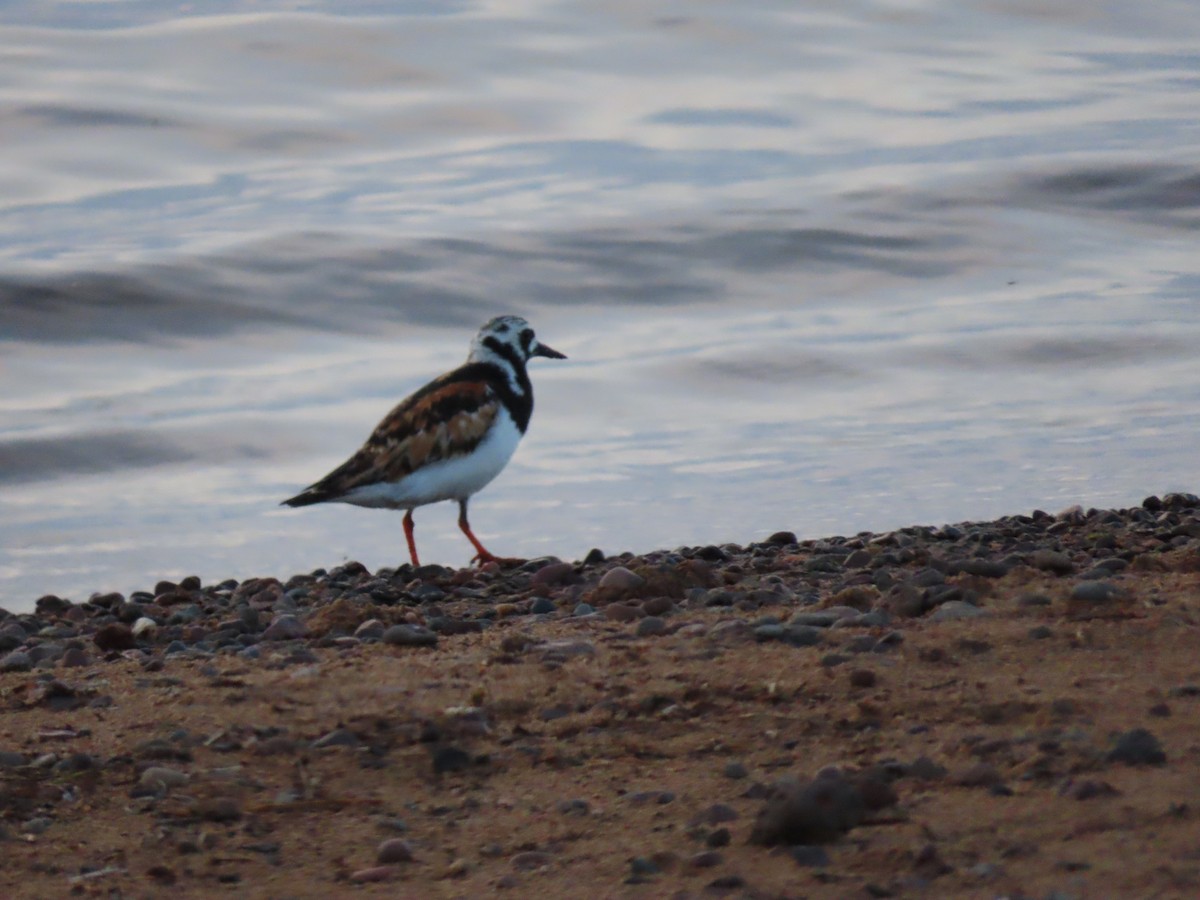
508,341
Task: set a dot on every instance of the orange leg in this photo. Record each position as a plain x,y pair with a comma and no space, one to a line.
408,536
482,556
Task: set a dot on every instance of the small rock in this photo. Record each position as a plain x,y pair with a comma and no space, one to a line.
718,838
706,859
619,580
114,636
394,850
555,574
621,612
410,636
50,605
583,609
815,813
736,770
17,661
651,626
35,826
161,778
339,737
374,874
450,759
564,650
984,568
542,606
1137,748
371,629
1052,561
74,657
284,628
715,815
956,610
144,627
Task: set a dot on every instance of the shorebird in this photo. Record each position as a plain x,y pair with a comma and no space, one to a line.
447,440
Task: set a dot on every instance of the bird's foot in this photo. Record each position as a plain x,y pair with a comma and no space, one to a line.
504,562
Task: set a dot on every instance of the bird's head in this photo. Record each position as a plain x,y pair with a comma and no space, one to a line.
509,338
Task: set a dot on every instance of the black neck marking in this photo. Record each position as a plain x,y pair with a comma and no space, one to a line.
520,406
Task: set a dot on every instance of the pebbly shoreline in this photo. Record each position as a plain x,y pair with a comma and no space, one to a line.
826,718
779,589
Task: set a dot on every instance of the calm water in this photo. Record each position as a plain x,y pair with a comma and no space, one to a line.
821,270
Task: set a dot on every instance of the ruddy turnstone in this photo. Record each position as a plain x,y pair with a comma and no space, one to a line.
447,440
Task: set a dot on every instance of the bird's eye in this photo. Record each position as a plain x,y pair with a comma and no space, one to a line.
526,338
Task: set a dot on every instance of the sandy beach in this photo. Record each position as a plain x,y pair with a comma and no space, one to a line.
996,709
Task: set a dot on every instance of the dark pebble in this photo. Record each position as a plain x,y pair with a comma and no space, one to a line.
555,574
657,606
394,850
410,636
1052,561
542,606
1033,600
574,807
450,759
660,797
925,769
815,813
735,770
17,661
1040,633
651,626
1137,748
984,568
706,859
114,636
718,838
640,865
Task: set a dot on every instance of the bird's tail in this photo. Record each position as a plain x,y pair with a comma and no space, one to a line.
308,497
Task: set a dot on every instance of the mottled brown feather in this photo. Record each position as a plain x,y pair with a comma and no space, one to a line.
446,419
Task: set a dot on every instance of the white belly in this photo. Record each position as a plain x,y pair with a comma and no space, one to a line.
452,479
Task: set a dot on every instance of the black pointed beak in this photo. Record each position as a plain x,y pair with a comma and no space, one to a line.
543,350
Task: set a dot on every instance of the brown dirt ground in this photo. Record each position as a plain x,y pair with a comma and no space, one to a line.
664,713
